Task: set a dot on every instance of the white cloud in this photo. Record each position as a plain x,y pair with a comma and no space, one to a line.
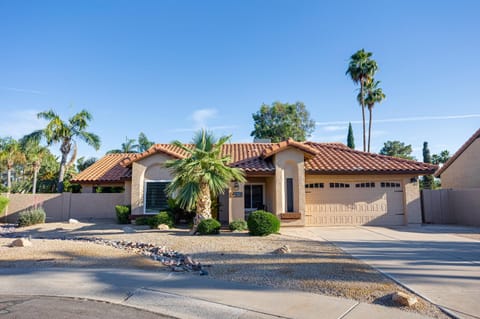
22,90
210,128
405,119
19,123
333,128
201,116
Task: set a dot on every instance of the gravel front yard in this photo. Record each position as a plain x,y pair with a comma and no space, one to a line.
313,266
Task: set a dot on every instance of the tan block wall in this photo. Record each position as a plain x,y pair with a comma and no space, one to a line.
452,206
61,207
149,168
412,203
464,172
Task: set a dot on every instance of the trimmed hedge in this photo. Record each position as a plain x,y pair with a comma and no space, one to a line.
209,227
161,218
3,204
262,223
123,213
31,217
238,224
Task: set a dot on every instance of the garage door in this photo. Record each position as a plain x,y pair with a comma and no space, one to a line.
354,203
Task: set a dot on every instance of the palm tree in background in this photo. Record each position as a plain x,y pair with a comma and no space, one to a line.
203,173
128,147
34,153
143,142
373,95
11,154
65,133
361,69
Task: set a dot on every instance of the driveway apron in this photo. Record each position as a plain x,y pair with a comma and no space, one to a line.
441,267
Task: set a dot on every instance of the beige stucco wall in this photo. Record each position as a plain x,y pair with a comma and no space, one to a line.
149,168
464,172
290,164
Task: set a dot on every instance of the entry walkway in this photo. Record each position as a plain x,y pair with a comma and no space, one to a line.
429,260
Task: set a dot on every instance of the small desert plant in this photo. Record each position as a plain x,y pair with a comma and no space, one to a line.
31,217
142,221
3,204
262,223
209,227
161,218
123,213
238,224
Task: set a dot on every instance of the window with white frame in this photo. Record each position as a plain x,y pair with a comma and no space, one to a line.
253,196
156,198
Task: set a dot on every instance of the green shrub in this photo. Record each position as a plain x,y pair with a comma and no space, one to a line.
238,224
142,221
161,218
209,227
31,217
262,223
3,204
123,213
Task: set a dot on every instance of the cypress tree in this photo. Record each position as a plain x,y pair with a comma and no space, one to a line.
350,140
428,180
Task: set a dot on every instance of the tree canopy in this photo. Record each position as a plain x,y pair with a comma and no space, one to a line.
281,121
441,158
397,149
350,138
427,181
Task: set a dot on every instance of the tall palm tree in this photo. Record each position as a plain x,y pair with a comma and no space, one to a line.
203,173
65,133
34,153
361,69
11,154
373,95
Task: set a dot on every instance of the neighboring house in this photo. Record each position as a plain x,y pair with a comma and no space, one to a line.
305,184
462,170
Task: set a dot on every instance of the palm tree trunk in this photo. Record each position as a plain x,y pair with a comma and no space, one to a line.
9,179
204,206
61,174
363,112
369,125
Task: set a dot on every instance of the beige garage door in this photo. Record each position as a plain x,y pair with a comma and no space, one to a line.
354,203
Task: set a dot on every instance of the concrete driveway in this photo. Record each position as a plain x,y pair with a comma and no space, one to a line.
430,260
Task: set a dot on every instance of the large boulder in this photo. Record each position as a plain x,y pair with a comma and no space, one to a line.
403,299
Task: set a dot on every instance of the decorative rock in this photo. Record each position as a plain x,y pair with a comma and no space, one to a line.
73,221
282,250
403,299
163,227
128,230
21,242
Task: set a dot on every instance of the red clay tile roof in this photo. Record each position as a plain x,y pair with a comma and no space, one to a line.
278,147
255,158
459,152
106,170
334,159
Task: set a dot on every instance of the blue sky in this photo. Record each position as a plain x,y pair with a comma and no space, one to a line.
167,68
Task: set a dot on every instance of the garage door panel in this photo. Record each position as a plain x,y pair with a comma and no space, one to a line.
372,205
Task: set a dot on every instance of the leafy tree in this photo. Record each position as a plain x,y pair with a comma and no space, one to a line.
65,133
128,147
374,95
281,121
427,180
144,143
397,149
441,158
10,154
83,163
34,153
202,174
361,69
350,139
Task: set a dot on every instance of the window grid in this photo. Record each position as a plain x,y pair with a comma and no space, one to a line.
365,185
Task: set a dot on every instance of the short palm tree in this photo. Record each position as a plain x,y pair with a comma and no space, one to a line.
203,173
65,133
361,69
374,94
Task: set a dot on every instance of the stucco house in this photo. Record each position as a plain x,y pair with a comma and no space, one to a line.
303,183
462,170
